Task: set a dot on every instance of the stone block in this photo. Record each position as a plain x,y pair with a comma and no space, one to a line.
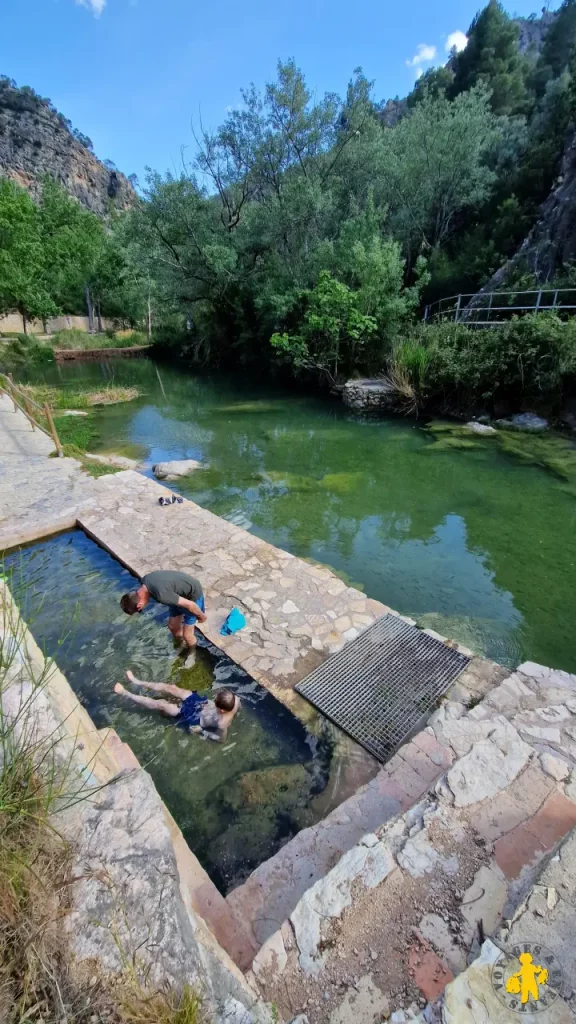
553,821
429,972
513,806
517,850
417,759
440,755
485,899
364,1002
270,962
491,766
556,767
419,857
435,929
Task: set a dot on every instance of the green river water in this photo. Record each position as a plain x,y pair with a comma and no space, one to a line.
473,544
470,542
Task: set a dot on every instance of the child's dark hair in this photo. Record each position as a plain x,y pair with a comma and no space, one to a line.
225,700
129,603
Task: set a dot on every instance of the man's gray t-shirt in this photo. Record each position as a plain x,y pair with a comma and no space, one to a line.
166,586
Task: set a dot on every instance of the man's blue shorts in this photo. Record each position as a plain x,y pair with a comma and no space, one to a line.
175,611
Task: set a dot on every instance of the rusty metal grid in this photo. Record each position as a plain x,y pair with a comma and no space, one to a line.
381,686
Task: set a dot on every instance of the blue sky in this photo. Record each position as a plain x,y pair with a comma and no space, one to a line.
132,73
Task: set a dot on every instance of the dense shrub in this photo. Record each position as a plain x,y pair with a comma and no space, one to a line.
532,359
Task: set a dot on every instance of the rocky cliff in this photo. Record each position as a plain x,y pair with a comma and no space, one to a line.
551,244
35,140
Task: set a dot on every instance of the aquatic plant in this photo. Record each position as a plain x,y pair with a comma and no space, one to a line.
552,452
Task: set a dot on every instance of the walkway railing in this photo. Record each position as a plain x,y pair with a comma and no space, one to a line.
25,404
490,309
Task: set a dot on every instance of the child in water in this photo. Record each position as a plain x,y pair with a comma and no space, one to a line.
210,719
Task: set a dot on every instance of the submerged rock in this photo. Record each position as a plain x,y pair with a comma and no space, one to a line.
176,468
282,784
480,428
525,421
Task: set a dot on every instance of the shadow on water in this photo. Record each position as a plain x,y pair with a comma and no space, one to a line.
235,803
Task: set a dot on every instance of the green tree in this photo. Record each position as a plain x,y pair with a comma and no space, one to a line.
492,58
557,54
433,83
434,166
332,329
23,258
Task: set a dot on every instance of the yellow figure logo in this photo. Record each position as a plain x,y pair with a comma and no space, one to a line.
526,981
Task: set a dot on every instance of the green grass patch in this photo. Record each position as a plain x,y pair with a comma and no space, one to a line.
73,338
79,431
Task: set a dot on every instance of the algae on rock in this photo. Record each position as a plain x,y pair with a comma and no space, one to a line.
553,452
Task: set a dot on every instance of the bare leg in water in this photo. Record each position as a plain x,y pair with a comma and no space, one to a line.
150,702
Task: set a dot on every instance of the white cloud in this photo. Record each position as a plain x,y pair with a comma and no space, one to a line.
419,73
96,6
456,39
424,54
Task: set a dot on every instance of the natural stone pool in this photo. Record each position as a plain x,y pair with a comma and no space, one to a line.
235,803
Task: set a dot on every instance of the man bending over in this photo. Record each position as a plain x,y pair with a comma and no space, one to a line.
183,595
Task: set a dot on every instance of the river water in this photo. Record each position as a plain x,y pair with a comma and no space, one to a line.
474,544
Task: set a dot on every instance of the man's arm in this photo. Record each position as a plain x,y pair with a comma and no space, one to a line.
191,606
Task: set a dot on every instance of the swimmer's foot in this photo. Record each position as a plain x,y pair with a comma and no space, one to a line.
130,676
189,657
119,688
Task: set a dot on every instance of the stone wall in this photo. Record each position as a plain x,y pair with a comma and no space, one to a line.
369,395
13,323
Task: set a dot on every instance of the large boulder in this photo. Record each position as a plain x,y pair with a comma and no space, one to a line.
175,469
528,422
369,395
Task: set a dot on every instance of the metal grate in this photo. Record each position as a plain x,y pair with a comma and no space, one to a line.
381,685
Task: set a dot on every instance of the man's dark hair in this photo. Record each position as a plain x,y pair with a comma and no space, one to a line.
225,700
129,603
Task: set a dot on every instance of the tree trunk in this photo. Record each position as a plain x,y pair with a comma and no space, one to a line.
149,318
90,310
100,327
24,321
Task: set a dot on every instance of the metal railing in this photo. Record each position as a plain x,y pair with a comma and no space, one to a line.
25,404
491,309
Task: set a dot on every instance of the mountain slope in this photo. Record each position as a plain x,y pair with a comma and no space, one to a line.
36,140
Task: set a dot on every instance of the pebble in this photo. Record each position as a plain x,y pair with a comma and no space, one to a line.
374,954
